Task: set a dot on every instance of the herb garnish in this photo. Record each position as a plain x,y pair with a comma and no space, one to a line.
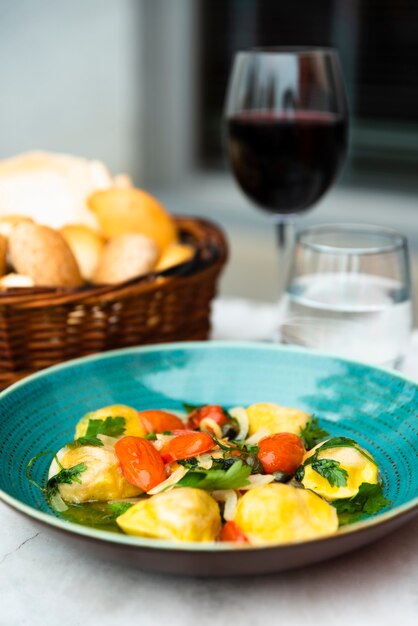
368,500
246,448
327,468
233,478
111,427
332,471
312,433
189,463
65,476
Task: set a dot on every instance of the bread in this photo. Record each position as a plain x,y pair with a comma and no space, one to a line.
125,210
125,257
8,222
174,255
43,254
51,188
86,245
3,255
12,280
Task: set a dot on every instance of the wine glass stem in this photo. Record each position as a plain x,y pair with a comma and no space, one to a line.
285,241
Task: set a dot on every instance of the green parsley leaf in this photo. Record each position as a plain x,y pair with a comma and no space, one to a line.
343,442
246,448
151,436
312,433
65,476
331,471
369,500
189,463
111,426
300,473
85,441
213,479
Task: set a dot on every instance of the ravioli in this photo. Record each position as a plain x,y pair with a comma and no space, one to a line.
359,470
279,513
101,481
183,514
133,424
275,418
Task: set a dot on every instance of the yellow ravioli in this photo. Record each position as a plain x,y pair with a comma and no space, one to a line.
133,424
275,418
182,514
279,513
359,468
101,481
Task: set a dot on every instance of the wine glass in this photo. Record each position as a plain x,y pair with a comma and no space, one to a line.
286,129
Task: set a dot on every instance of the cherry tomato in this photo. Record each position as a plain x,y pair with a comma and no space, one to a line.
155,421
215,412
186,445
282,452
140,462
232,532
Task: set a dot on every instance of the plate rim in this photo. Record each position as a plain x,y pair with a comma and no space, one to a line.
160,544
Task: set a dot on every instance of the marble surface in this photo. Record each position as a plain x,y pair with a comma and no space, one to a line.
43,582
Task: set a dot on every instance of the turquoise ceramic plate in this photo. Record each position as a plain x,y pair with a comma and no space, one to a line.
376,407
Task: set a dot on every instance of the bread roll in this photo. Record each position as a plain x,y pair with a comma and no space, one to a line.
8,222
44,255
3,255
86,245
12,280
51,188
121,211
125,257
174,255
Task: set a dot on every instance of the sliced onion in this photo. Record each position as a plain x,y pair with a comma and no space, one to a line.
209,425
260,434
57,503
109,442
204,461
54,468
240,414
230,497
257,480
161,441
170,481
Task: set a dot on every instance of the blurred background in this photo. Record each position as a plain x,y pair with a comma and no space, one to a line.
140,85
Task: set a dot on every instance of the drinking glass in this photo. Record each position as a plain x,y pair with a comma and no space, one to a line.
349,293
286,129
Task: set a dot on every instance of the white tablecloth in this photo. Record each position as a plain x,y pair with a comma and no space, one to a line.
45,583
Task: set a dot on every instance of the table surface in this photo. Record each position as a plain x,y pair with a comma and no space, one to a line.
44,582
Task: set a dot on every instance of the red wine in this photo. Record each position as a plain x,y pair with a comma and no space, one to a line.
286,162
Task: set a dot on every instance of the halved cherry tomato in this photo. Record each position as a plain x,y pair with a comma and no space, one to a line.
215,412
186,445
232,532
140,462
156,421
282,452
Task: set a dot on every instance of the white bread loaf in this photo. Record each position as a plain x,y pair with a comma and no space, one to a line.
51,188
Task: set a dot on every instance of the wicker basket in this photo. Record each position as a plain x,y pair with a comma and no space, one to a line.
43,326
